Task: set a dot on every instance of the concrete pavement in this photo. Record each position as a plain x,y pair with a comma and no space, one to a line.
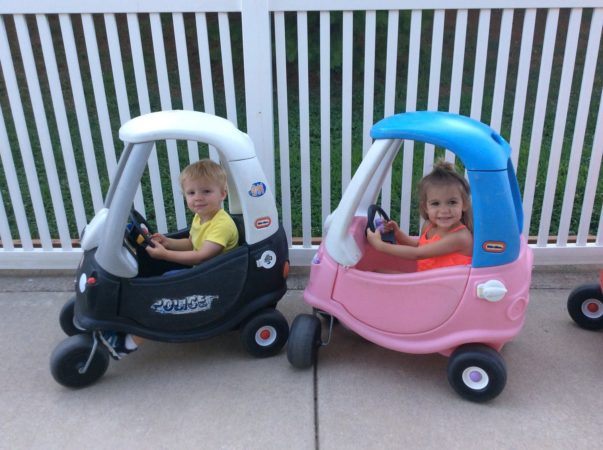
212,395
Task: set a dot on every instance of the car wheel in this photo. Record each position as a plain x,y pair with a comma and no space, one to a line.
265,334
70,357
477,372
585,306
304,341
66,318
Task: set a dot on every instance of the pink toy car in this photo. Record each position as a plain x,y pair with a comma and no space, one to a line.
585,305
467,312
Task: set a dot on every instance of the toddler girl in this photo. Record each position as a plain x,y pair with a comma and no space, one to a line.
446,237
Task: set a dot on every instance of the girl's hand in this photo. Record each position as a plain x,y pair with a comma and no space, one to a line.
390,225
374,238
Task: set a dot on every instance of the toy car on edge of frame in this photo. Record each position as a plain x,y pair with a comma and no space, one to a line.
464,312
118,287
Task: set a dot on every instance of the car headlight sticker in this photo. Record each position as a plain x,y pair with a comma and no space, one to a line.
267,260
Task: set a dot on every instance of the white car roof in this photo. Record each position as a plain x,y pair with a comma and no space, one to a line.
192,126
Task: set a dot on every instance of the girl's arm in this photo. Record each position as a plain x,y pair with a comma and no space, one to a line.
401,237
461,241
187,257
404,239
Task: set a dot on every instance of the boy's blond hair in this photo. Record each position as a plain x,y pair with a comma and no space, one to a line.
444,174
204,169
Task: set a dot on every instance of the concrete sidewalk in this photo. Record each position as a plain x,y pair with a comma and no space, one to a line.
212,395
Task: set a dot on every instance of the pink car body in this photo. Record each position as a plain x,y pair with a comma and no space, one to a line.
433,311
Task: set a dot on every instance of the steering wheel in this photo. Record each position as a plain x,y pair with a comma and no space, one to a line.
376,217
138,230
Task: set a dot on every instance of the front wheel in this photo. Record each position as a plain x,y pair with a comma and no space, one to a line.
304,341
265,334
477,372
66,318
585,306
69,359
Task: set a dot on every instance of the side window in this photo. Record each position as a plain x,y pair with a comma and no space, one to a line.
516,195
240,223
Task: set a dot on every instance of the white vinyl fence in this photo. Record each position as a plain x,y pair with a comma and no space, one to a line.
306,80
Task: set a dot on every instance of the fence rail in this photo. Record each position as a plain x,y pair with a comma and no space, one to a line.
305,80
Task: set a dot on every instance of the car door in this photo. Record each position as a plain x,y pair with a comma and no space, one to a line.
405,303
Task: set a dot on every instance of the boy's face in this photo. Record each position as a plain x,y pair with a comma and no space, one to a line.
203,196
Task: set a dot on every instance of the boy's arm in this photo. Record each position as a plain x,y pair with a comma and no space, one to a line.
180,245
191,257
183,253
171,243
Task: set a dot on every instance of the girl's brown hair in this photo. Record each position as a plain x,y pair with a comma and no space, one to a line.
444,174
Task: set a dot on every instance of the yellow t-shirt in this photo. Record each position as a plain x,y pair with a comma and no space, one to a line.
221,229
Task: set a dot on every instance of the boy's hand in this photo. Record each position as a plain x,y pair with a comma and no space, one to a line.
157,250
159,238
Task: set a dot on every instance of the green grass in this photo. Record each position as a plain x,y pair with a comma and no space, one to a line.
335,112
400,102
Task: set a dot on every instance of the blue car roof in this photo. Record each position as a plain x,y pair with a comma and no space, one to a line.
478,145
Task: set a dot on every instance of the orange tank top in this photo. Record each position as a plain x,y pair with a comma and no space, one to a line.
436,262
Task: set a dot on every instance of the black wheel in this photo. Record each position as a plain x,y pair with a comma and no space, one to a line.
477,372
265,334
69,358
585,306
304,341
66,318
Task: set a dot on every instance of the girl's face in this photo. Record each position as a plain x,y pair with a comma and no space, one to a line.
444,206
203,197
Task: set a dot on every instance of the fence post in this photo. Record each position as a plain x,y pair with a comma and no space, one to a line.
257,61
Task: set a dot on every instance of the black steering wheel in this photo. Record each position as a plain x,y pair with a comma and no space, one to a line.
138,230
376,217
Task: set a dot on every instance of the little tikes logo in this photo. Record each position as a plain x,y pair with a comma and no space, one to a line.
186,305
257,189
494,246
262,222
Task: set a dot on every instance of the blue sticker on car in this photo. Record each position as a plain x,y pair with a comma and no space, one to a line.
257,189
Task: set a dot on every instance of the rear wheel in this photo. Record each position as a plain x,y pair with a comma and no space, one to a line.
585,306
304,341
69,358
265,334
477,372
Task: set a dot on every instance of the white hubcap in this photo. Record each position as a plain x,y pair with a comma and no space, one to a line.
475,378
593,308
265,336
